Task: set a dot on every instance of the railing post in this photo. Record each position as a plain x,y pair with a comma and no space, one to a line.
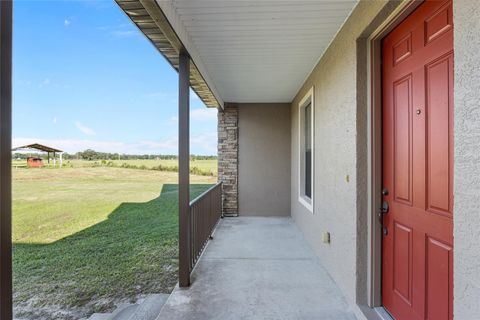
184,218
6,160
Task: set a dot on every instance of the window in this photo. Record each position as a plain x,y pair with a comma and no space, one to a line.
308,151
306,147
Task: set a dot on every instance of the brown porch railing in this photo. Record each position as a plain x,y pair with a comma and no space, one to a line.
205,211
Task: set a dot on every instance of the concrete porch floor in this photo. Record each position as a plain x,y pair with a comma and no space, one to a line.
258,268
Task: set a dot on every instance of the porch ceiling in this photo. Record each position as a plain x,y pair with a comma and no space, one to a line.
256,51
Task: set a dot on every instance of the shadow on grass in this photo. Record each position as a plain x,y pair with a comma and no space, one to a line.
133,252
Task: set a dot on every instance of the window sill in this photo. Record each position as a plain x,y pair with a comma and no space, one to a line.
306,202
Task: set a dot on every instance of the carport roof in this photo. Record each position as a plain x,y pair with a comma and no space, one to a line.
37,146
242,50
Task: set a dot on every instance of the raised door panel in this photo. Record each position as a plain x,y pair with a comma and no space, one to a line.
402,49
402,105
438,106
438,273
438,23
403,261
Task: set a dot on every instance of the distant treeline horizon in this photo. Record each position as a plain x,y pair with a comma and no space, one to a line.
93,155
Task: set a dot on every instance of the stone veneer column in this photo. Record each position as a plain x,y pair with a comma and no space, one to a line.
228,157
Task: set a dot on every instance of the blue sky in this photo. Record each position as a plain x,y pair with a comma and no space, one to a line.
85,77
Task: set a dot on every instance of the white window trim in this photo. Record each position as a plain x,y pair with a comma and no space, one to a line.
309,97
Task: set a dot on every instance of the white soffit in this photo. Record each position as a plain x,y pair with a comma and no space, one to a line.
260,50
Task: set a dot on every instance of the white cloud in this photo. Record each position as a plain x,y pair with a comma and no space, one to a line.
199,115
47,82
121,30
203,114
24,83
207,142
168,145
123,33
74,145
54,120
67,22
203,143
86,130
173,120
44,83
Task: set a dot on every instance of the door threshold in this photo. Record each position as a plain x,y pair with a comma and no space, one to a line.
382,313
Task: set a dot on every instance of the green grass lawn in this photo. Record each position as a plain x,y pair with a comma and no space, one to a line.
86,238
204,165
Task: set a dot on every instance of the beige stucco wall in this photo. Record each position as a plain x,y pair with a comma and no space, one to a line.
339,82
340,152
466,18
264,159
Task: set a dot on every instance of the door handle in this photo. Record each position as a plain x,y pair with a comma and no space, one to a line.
384,208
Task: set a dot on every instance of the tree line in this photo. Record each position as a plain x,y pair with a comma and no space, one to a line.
92,155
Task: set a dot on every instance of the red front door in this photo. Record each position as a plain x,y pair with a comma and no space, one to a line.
417,262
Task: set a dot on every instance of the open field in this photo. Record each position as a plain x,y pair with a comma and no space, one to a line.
205,166
87,237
